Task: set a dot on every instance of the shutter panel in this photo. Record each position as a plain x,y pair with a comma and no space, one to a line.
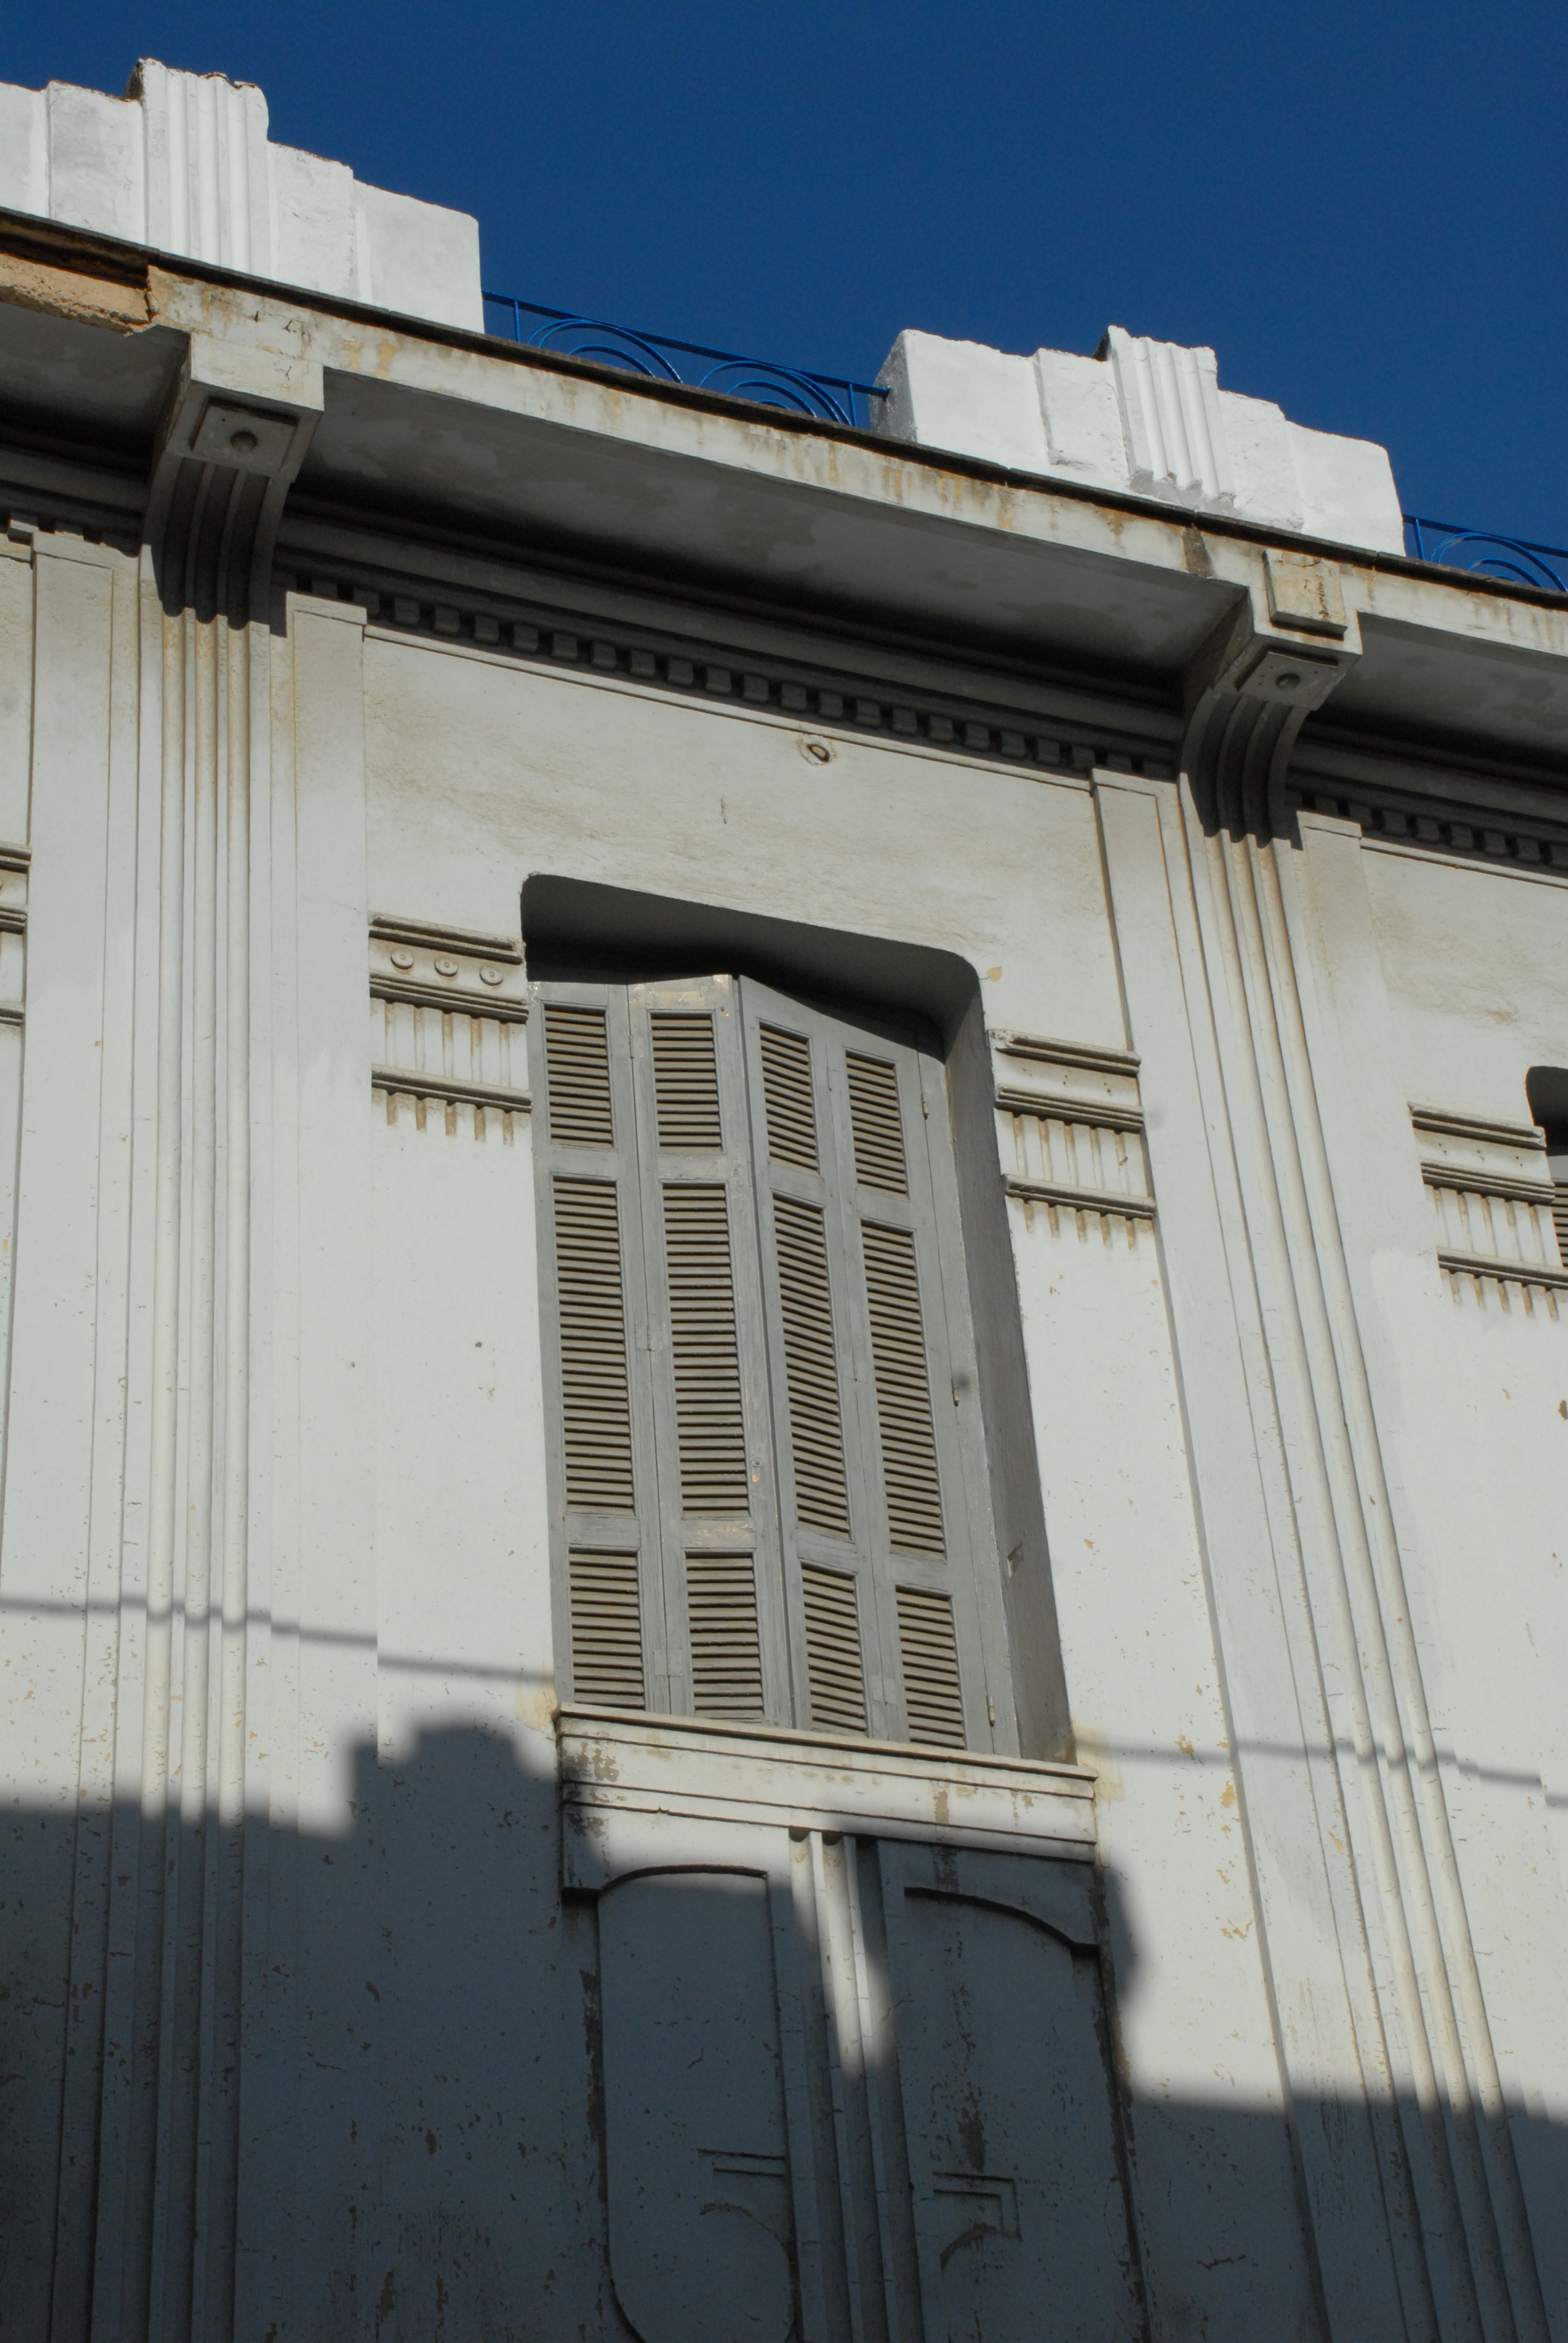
934,1701
1559,1220
596,1392
705,1357
789,1110
922,1555
837,1678
876,1123
603,1484
606,1630
810,1371
726,1641
685,1080
577,1048
716,1494
883,1573
834,1655
910,1482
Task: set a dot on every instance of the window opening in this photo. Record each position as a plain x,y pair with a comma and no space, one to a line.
762,1512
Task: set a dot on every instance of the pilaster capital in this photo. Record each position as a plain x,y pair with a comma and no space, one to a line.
235,432
1277,654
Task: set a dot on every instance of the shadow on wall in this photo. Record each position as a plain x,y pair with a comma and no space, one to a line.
389,2085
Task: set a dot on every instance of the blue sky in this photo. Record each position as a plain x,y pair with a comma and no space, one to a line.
1361,207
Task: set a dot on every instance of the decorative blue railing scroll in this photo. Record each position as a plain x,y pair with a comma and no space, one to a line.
1485,551
832,399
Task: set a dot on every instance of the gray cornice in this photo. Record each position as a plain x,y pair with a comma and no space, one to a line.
452,439
533,635
1473,829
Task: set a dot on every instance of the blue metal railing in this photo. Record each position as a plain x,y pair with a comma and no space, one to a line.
1485,551
831,397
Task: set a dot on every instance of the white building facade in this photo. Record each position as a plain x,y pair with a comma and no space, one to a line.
786,1332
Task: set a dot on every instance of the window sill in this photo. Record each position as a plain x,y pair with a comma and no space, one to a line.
615,1765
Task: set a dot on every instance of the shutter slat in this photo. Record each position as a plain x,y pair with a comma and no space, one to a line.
787,1094
684,1081
596,1404
910,1473
606,1630
838,1683
577,1056
709,1413
876,1124
821,1488
725,1650
932,1701
1560,1222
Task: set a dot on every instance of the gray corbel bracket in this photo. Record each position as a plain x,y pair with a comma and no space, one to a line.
235,432
1279,653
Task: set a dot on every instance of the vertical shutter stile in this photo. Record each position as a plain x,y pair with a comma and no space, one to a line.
923,1551
811,1365
716,1501
911,1484
600,1450
834,1646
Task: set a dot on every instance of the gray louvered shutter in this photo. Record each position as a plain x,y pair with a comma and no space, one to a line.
877,1515
713,1436
604,1499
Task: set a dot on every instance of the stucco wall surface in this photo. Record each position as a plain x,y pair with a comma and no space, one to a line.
478,777
1475,968
354,1989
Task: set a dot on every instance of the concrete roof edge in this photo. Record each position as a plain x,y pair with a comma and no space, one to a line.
29,236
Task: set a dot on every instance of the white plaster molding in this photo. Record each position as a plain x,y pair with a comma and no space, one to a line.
1497,1270
1093,1057
206,156
1475,1140
1169,400
1143,418
394,1082
1106,1202
1071,1127
183,163
1492,1206
448,1008
1068,1080
618,1766
1083,421
1489,1183
1019,1098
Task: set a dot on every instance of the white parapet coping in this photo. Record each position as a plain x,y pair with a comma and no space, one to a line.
1145,417
617,1767
183,162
